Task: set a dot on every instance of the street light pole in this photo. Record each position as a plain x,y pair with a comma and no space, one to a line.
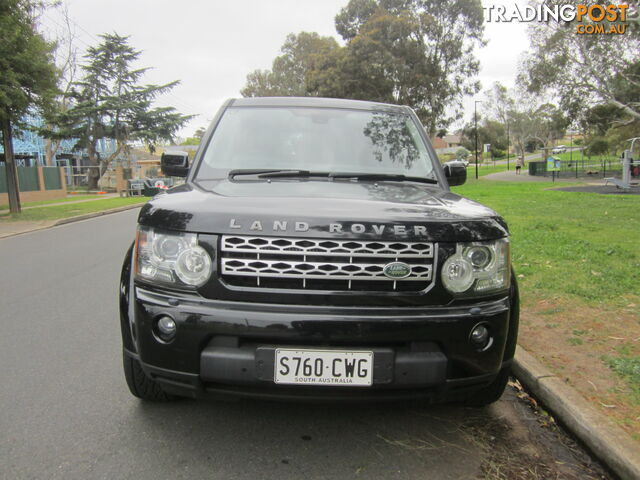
508,143
570,146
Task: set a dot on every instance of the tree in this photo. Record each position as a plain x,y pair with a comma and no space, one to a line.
65,58
597,146
409,52
199,133
110,103
462,153
375,64
288,74
489,131
606,123
585,69
196,139
618,137
549,123
521,125
600,118
531,122
27,78
499,103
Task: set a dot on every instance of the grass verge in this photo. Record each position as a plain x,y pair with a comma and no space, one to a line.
627,367
579,245
71,210
57,200
577,259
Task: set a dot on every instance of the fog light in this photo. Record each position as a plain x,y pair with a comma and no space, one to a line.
166,327
480,336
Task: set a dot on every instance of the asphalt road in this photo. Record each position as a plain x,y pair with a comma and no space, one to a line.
65,411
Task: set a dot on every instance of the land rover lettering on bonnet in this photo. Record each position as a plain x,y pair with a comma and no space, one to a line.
316,251
284,225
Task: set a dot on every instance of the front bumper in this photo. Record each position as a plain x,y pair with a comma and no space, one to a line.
226,347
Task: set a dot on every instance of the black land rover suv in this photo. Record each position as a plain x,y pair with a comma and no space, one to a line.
316,251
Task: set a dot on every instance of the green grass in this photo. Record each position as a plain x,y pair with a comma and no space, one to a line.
577,156
565,243
56,200
71,210
487,169
79,188
627,368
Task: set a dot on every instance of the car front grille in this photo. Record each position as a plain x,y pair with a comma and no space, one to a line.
317,264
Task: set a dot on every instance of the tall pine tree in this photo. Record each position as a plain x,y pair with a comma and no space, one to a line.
109,102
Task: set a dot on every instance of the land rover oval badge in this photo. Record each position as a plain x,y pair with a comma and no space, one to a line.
397,270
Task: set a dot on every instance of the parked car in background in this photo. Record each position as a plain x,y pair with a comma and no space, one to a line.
559,149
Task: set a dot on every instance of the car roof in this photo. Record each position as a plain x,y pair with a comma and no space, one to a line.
315,102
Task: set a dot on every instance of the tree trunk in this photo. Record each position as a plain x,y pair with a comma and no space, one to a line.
50,149
94,172
13,191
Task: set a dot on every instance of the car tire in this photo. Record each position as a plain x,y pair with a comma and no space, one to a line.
492,392
140,384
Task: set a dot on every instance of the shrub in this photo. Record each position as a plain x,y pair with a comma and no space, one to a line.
462,153
497,153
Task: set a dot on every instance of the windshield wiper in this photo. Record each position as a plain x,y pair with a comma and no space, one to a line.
292,173
266,172
383,176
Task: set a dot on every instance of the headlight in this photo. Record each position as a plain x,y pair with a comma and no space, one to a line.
478,268
172,258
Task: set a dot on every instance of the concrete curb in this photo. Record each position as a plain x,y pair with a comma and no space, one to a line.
77,218
607,441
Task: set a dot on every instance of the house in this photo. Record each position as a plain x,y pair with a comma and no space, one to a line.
29,151
29,147
446,144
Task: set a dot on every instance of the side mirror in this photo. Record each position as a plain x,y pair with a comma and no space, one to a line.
175,164
456,173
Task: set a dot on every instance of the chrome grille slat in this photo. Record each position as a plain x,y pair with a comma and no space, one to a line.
339,271
338,248
262,260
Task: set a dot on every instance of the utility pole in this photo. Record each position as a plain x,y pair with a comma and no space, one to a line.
13,192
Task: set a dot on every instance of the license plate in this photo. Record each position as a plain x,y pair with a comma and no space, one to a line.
323,367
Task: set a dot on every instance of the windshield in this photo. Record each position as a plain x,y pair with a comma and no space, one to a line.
334,140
